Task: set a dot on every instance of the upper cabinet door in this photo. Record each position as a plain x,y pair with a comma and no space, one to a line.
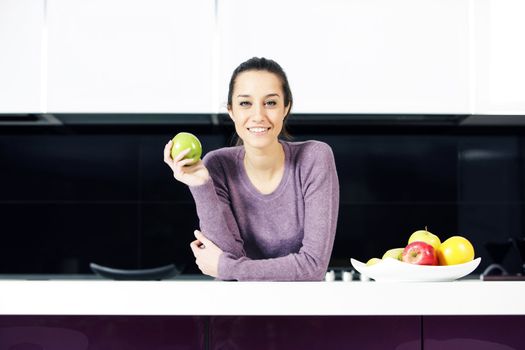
130,56
355,56
21,24
500,56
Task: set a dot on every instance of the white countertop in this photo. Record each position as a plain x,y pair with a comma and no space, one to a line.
171,297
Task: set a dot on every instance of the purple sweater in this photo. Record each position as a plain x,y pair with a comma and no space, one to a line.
286,235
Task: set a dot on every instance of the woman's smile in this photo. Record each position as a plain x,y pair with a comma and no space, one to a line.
258,130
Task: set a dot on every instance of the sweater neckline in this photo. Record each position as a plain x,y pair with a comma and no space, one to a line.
251,188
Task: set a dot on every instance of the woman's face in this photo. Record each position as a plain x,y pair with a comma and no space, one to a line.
258,108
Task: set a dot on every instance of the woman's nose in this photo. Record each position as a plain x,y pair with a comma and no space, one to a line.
258,114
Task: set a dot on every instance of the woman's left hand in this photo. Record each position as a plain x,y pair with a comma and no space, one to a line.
206,254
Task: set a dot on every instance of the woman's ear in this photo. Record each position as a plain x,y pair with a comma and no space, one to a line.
287,111
230,113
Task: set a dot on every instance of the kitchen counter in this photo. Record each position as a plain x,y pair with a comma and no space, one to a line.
205,297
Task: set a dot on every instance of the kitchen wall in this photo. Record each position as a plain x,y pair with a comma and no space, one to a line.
72,195
421,100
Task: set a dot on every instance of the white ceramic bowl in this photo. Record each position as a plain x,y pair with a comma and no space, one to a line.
393,270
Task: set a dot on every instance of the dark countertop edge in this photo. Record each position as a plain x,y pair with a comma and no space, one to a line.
65,123
14,119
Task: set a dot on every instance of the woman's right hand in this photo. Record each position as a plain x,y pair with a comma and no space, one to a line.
191,175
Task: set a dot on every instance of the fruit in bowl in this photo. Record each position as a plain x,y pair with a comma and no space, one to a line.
455,250
394,253
372,261
183,141
426,248
425,236
419,253
398,271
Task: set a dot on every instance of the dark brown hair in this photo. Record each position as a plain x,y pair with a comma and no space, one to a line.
268,65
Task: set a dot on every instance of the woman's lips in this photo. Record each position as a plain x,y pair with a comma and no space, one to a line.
258,130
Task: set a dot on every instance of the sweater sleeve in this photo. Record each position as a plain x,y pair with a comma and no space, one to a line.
321,196
216,219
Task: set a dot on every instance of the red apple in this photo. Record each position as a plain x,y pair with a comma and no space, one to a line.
419,253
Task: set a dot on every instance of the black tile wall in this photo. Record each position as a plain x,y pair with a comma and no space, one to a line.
492,222
70,199
73,168
394,168
489,169
167,230
58,237
490,193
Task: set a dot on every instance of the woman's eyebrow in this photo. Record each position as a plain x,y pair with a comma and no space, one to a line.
269,95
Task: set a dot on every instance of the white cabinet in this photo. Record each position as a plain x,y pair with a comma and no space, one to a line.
341,56
130,56
21,23
500,57
355,56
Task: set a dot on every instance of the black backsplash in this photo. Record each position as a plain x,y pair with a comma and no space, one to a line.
104,195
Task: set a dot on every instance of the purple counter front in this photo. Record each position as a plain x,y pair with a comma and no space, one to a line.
261,332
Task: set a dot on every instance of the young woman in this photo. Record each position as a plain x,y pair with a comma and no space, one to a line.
267,207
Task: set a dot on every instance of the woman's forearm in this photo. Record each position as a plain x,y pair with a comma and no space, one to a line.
216,220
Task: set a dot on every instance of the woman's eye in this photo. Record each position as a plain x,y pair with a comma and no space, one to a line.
244,103
271,103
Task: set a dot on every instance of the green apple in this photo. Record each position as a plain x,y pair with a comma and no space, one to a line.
394,253
372,261
183,141
425,236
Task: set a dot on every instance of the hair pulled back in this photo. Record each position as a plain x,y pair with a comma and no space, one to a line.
268,65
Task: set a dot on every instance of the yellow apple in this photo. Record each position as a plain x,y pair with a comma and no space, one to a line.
372,261
425,236
394,253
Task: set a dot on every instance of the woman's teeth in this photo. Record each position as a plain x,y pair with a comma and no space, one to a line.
257,129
